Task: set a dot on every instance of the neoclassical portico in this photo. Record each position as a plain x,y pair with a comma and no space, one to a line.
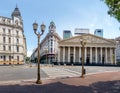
97,50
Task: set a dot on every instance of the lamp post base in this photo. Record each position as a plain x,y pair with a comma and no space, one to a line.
82,76
38,82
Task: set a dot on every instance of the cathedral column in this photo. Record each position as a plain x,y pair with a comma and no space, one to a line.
96,55
79,54
115,55
106,55
101,54
68,54
110,56
63,54
85,54
74,54
90,54
59,54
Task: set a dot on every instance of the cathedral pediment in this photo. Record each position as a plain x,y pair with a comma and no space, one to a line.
88,38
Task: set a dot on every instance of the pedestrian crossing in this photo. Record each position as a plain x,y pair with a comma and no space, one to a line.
54,72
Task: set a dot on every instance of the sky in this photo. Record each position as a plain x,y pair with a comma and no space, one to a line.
66,14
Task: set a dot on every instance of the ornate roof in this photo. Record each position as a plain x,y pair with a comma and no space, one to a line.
16,12
52,27
52,23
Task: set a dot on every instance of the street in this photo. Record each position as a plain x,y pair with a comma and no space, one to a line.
25,72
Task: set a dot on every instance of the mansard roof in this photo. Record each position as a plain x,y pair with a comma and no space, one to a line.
16,12
51,34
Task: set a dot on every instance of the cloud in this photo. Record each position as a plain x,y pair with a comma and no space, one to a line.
92,25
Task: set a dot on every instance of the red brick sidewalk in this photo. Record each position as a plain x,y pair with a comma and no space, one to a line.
108,82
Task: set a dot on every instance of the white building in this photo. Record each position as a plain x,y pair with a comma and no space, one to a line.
98,50
12,39
48,46
81,31
118,49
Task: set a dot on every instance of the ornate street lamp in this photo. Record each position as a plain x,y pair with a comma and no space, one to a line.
83,43
35,26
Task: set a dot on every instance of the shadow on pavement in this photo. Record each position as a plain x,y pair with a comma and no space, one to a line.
58,87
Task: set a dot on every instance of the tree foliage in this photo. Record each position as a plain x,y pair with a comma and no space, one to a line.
114,8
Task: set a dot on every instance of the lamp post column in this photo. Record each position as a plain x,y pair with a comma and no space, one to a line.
35,26
83,56
83,43
38,74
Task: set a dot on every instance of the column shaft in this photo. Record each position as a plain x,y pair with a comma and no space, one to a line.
68,54
101,54
59,54
96,55
79,54
63,54
74,54
85,54
115,55
90,54
106,55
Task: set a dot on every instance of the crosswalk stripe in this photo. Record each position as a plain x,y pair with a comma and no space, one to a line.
57,72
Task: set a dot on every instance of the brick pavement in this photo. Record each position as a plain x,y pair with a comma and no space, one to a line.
108,82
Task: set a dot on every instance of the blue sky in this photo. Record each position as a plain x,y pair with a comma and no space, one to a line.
67,15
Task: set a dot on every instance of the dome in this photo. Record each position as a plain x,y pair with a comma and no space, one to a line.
16,12
52,27
52,23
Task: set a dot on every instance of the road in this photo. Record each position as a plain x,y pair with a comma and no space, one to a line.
25,72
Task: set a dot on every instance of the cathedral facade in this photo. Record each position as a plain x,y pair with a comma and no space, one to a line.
98,50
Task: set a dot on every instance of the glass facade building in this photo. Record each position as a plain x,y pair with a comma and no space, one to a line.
67,34
99,32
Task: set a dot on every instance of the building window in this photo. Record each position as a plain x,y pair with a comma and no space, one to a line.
17,58
9,31
4,30
8,21
4,48
17,48
9,58
4,58
4,39
17,41
9,40
51,42
9,48
51,50
17,33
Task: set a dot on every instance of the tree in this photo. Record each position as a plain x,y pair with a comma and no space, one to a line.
114,8
27,59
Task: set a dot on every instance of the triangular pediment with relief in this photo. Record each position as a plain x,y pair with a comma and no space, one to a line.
89,39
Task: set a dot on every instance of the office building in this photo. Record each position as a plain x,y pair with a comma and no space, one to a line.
81,31
67,34
99,32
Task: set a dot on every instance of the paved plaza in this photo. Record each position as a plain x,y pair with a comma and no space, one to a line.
107,82
25,72
59,79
